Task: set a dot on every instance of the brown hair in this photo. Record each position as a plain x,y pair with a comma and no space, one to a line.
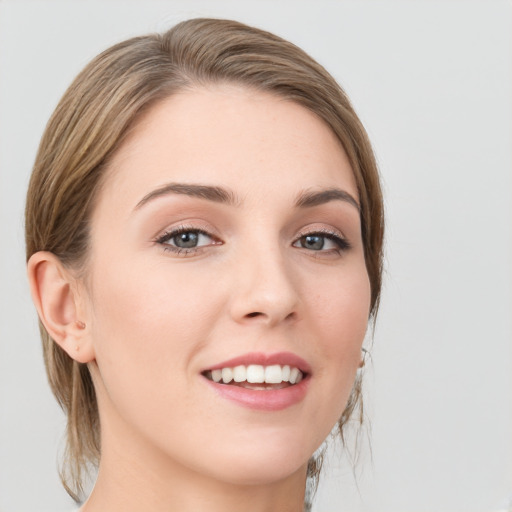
94,117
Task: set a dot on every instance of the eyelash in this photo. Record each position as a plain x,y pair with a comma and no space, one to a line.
342,243
334,236
168,235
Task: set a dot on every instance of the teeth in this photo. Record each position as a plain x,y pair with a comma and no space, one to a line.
294,372
227,375
273,374
257,374
239,373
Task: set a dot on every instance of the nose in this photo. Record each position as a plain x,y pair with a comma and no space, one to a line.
265,289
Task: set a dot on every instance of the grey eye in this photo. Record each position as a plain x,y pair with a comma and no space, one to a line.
313,242
186,240
322,242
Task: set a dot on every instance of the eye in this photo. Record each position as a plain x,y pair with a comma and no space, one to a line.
322,241
186,240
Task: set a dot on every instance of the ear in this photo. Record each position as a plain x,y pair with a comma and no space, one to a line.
57,295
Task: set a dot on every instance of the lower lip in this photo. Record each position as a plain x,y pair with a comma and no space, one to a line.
263,400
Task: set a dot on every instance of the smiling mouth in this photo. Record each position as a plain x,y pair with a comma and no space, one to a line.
257,377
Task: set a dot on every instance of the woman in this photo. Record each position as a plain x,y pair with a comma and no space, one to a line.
204,241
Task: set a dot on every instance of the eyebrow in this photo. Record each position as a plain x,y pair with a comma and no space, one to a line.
306,199
209,192
309,199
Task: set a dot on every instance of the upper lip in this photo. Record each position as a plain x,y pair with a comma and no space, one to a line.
261,358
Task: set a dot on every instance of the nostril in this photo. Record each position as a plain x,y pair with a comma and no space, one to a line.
255,313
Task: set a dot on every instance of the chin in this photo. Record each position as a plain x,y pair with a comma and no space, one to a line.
261,463
244,473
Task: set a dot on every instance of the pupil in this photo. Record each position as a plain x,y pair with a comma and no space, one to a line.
313,242
186,240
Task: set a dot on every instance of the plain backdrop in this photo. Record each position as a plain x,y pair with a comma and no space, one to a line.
432,81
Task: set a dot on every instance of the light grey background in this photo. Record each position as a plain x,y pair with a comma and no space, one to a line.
432,81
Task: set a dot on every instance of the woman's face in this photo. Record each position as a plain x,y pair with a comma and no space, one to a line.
226,241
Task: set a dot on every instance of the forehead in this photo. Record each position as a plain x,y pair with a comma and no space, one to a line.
247,140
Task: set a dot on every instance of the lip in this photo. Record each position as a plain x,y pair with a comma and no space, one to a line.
263,400
263,359
272,400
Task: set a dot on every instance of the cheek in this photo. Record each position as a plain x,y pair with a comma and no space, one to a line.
149,298
149,321
341,311
340,315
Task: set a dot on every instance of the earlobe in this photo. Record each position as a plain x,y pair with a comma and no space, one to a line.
55,294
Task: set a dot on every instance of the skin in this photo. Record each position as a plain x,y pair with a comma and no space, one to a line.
155,319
